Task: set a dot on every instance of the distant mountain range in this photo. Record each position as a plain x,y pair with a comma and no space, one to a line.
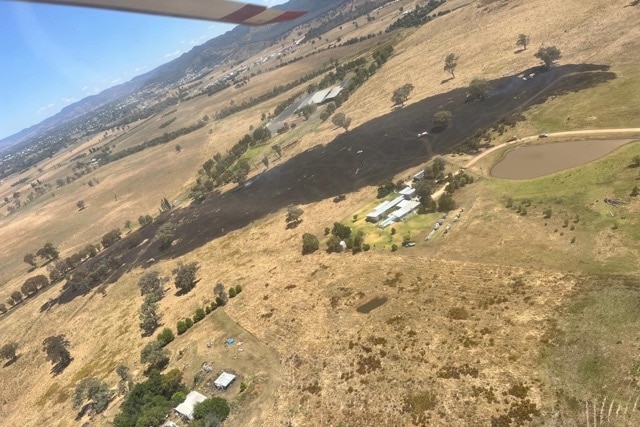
239,43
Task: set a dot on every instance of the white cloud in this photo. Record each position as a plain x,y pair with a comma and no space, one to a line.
68,100
115,81
45,108
86,88
169,55
212,26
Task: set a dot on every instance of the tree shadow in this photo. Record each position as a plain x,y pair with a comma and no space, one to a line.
181,292
447,80
293,224
84,410
519,51
11,361
59,367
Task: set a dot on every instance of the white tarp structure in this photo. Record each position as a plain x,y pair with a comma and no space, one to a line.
323,96
185,409
224,380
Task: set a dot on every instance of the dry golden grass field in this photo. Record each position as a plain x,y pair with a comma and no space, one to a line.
502,322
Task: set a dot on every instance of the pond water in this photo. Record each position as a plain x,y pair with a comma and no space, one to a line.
533,161
372,305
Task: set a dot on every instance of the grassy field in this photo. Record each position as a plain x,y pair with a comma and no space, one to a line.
585,357
610,105
606,238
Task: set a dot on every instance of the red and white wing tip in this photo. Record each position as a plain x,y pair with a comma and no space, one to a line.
212,10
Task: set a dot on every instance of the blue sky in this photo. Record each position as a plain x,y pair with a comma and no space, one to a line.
53,56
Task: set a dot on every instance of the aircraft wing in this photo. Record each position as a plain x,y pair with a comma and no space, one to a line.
214,10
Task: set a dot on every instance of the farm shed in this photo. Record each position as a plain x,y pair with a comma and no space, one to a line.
224,380
324,95
408,192
185,409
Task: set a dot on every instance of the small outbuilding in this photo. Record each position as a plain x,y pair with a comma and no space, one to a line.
224,380
185,409
408,192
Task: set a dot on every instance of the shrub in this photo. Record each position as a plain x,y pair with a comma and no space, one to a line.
310,243
366,247
394,247
458,313
442,119
232,292
207,309
198,315
188,322
165,337
181,327
238,289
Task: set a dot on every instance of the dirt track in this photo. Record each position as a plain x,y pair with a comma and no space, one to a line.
568,133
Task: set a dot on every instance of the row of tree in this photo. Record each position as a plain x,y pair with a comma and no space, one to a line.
418,16
276,91
107,157
47,254
221,170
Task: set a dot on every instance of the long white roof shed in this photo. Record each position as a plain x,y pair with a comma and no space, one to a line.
186,408
383,207
405,210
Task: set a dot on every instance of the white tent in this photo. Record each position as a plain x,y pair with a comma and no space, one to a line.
185,409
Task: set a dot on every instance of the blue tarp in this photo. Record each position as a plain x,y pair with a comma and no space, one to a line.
230,341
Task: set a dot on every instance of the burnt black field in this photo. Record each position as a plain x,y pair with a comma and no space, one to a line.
389,145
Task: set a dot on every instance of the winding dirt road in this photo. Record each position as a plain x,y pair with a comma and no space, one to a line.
567,133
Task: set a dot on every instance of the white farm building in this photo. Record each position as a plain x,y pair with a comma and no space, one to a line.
394,210
185,409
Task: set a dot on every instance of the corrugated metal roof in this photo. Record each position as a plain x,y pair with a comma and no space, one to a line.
334,92
224,380
186,407
407,191
405,210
